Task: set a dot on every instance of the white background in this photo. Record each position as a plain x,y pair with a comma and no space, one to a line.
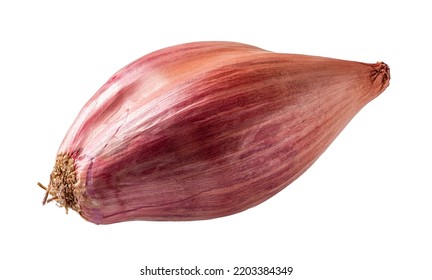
363,211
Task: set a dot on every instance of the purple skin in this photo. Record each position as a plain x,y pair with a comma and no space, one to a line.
209,129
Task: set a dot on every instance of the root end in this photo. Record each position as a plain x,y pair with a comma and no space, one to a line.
62,185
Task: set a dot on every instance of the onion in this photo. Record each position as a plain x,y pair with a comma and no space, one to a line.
204,130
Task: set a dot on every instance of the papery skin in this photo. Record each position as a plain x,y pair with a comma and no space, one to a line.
208,129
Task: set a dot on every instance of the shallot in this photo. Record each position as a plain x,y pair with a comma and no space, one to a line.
204,130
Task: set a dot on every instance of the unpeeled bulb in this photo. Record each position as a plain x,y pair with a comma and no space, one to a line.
204,130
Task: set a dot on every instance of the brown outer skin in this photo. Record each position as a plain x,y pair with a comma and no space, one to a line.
209,129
